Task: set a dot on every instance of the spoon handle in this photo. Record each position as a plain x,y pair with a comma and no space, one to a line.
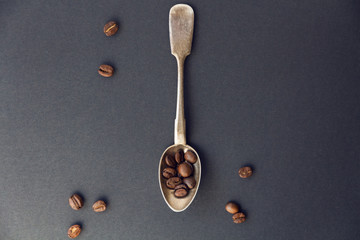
180,125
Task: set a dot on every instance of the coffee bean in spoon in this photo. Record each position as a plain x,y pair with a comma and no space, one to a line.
185,169
173,182
181,191
170,161
179,156
169,172
190,182
190,156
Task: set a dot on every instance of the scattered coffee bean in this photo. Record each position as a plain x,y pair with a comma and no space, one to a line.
232,207
169,160
245,172
76,202
74,231
239,217
173,182
169,172
190,156
106,70
99,206
190,182
111,28
179,156
185,169
181,191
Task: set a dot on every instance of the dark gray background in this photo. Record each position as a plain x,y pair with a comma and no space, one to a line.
274,84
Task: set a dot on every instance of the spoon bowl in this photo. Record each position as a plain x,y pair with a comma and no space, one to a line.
181,27
174,203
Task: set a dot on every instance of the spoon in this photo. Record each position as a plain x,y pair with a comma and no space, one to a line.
181,27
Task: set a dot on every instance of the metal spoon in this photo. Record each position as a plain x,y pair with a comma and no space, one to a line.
181,26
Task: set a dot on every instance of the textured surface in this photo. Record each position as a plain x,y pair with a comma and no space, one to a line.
274,84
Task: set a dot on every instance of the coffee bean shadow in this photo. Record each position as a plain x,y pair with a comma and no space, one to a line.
247,164
244,212
80,223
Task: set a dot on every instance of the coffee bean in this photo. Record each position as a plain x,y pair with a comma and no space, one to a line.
111,28
190,182
190,156
185,169
169,172
106,70
179,156
74,231
239,217
99,206
245,172
173,182
181,191
169,160
232,207
76,202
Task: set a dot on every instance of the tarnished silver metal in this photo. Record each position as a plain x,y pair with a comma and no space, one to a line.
181,27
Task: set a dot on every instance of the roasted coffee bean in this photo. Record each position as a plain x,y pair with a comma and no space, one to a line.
99,206
169,160
245,172
179,156
106,70
239,217
190,182
111,28
232,207
190,156
185,169
169,172
76,202
74,231
173,182
181,191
